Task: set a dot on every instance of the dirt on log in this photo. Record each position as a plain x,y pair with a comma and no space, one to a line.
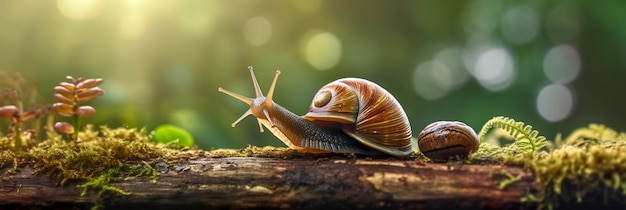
308,183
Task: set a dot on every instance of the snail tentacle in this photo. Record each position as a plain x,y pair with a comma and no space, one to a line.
260,104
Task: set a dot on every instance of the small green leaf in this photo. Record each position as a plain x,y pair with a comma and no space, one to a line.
167,133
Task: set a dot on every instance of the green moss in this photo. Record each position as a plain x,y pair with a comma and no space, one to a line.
99,157
102,184
6,155
95,153
588,168
510,180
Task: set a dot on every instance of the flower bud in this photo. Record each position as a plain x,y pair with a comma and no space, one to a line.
85,99
68,86
89,92
63,127
63,99
85,111
89,83
8,111
65,110
63,91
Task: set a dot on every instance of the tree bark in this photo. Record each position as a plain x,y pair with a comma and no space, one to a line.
303,183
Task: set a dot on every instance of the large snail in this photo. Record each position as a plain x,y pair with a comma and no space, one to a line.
349,115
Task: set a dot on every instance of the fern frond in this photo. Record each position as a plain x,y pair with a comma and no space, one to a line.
526,139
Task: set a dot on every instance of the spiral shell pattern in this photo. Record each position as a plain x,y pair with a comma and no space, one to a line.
366,111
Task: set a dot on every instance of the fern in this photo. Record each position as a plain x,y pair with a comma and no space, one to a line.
526,139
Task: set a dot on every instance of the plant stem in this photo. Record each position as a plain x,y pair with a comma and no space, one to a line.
76,127
17,135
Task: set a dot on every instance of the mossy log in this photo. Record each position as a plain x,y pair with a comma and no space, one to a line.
308,183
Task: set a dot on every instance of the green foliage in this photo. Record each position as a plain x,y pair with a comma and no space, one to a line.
589,163
144,169
594,134
510,180
527,142
102,183
585,168
5,151
168,133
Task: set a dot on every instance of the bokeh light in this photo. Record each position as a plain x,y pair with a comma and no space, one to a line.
562,64
520,24
432,80
555,102
435,78
453,59
494,69
323,51
257,31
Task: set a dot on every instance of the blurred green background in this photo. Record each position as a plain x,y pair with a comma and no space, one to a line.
556,65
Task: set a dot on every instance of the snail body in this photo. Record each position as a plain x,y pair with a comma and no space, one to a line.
349,115
445,140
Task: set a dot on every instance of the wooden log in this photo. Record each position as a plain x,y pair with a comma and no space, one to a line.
303,183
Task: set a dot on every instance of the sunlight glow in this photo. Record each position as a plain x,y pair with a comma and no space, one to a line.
257,31
77,9
323,51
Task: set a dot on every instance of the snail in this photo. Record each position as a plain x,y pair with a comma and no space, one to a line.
349,115
445,140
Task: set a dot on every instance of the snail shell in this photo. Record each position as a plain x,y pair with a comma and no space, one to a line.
444,140
366,112
348,115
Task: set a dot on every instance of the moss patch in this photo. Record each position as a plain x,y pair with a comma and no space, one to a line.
95,153
586,169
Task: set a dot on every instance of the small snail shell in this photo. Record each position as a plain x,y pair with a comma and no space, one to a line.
348,115
444,140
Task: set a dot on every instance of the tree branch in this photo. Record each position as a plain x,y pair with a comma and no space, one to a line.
309,183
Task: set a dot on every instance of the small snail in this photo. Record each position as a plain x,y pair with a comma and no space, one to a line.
349,115
444,140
